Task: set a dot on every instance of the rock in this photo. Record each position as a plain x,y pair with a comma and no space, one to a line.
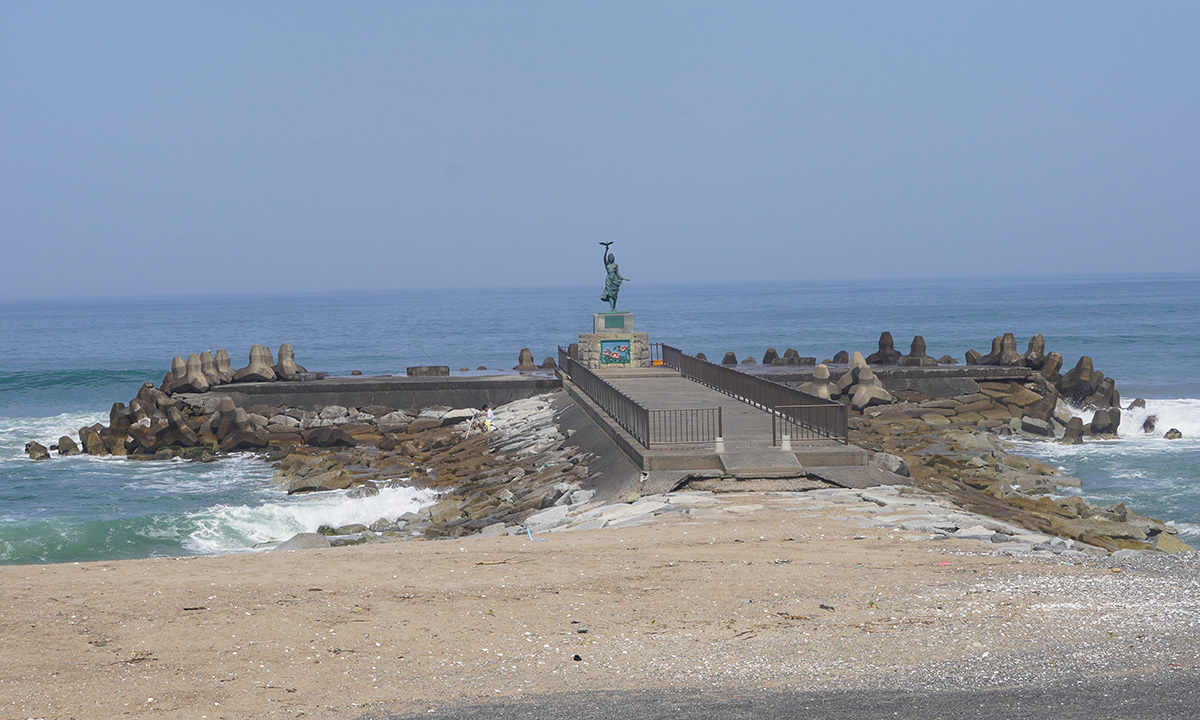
1034,426
245,439
1043,409
91,441
193,380
841,357
993,357
1137,403
1168,543
1173,434
819,385
1050,367
887,353
1106,421
333,412
549,364
36,451
329,437
891,463
1008,351
67,446
1149,424
973,357
1074,432
916,356
699,356
224,367
749,360
286,368
771,356
1078,384
525,360
286,421
444,370
1021,396
303,541
729,359
208,368
356,372
260,368
946,360
1035,355
119,419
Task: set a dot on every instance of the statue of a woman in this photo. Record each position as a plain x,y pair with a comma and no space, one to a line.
613,279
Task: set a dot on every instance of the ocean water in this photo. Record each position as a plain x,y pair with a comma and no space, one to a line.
63,363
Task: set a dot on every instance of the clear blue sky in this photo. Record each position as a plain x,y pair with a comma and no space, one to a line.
166,147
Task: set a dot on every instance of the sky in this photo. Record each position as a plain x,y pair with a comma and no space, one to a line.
226,147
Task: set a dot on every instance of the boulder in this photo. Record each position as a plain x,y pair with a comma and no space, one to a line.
329,437
890,463
771,356
333,412
119,419
973,357
1074,432
224,367
286,367
1137,404
887,353
1035,426
1106,421
819,385
1104,395
729,359
67,446
1078,384
1173,434
251,439
208,368
303,541
91,441
193,380
1149,424
1042,409
917,356
393,422
36,451
749,360
841,357
260,368
1035,355
525,360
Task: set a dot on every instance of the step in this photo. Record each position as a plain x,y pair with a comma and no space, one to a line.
765,463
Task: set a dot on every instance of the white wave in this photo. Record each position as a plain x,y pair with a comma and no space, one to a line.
1188,532
223,528
16,431
1183,414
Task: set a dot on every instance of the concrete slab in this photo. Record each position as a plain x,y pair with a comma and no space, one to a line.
858,477
761,463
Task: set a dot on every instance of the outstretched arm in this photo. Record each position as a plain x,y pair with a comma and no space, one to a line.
604,253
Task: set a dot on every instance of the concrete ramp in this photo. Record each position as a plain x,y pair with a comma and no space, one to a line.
857,478
760,463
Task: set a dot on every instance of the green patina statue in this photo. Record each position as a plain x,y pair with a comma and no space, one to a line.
613,280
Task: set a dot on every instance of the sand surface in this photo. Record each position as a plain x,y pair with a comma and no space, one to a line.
753,591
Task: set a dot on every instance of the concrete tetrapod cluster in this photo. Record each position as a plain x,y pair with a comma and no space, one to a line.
201,372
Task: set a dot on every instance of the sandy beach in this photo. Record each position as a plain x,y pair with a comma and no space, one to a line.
743,590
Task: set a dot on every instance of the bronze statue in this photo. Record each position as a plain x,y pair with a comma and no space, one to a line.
612,281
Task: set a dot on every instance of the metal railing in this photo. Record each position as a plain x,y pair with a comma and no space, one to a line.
687,426
630,415
807,415
656,358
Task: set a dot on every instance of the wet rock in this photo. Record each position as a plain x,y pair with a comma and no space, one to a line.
1149,424
1173,434
93,444
67,446
1137,403
525,360
887,353
1106,421
119,419
36,451
1074,432
260,368
729,359
327,437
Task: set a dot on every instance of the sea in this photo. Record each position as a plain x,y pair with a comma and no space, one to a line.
63,363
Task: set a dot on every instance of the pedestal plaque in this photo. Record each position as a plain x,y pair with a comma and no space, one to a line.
614,344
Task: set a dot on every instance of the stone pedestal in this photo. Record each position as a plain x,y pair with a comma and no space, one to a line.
613,343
